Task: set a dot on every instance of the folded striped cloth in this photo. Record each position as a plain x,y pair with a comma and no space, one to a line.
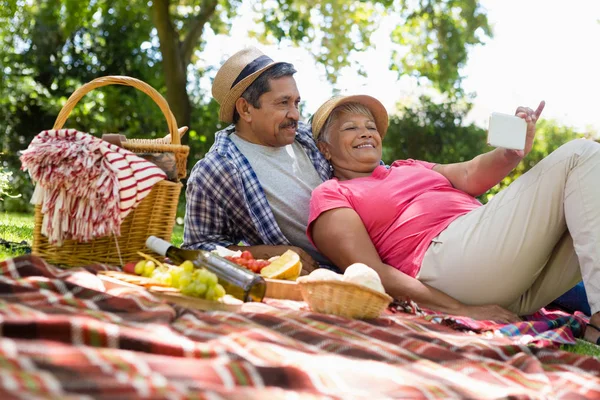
86,186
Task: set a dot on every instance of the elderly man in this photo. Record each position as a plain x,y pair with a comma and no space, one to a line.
254,184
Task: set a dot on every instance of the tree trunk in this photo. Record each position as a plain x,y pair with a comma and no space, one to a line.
172,61
177,55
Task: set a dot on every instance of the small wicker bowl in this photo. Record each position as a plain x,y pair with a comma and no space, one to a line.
344,299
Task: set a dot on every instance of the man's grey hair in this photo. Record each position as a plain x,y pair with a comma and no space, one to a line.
346,108
262,85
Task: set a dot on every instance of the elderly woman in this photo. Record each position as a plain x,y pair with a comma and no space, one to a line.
420,227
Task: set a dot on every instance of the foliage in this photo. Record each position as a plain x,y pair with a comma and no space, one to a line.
438,34
5,177
431,38
433,132
52,47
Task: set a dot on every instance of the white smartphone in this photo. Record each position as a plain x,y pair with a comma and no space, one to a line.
507,131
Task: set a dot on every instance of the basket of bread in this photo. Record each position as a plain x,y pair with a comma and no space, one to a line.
358,293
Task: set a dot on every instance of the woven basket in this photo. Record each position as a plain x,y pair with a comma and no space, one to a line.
154,216
344,299
136,145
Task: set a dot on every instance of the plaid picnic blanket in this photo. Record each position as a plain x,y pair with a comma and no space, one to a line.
62,336
544,328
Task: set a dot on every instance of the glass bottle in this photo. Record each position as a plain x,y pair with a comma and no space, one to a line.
236,280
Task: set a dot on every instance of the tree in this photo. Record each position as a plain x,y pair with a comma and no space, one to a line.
51,47
434,35
433,132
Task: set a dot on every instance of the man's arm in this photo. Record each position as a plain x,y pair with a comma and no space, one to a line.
206,221
341,236
485,171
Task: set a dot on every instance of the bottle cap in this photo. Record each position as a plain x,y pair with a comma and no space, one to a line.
158,245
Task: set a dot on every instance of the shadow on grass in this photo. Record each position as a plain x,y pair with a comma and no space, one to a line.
16,227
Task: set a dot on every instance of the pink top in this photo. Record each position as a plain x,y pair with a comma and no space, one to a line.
403,208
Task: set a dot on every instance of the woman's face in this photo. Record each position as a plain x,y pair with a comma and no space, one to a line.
353,144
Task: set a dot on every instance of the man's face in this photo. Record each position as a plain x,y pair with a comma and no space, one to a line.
274,123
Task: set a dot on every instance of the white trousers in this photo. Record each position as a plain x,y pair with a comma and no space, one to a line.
531,243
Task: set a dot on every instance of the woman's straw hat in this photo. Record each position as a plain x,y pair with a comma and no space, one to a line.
234,77
377,109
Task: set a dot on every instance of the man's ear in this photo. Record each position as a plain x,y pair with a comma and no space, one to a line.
324,149
243,108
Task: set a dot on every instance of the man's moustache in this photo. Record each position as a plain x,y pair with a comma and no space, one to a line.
292,124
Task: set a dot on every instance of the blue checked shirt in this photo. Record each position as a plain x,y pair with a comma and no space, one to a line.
225,203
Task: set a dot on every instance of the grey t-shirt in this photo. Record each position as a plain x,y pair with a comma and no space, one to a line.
288,178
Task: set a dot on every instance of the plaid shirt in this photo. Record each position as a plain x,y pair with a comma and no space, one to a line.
225,202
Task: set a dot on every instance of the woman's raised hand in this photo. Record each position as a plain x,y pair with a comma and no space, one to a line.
531,117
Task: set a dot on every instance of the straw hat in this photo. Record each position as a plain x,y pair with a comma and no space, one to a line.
234,77
377,109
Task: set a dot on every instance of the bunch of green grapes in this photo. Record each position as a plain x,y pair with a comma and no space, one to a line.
196,282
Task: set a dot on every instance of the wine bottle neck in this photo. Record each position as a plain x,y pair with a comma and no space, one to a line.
180,255
174,255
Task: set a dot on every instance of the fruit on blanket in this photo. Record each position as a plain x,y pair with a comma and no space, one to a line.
139,267
287,266
149,268
198,282
187,266
191,281
247,260
362,274
129,268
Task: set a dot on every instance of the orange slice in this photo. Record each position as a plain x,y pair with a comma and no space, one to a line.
287,266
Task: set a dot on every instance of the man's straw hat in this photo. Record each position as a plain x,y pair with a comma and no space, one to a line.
234,77
377,109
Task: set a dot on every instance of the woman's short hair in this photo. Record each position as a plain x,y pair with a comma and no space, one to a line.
346,108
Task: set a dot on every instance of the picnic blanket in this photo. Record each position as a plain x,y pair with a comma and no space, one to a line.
62,336
544,328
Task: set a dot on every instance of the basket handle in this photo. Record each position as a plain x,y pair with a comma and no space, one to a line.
120,80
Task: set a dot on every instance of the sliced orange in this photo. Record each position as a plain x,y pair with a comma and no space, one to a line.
287,266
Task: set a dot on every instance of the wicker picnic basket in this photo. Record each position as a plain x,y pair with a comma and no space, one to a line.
344,299
154,216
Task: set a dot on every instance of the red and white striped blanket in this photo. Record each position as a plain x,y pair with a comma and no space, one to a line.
86,186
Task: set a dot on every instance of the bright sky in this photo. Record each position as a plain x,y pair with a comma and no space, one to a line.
542,49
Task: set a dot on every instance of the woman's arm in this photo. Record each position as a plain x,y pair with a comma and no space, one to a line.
485,171
482,173
341,236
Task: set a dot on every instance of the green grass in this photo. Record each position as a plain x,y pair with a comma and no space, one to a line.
15,228
177,236
19,227
583,347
